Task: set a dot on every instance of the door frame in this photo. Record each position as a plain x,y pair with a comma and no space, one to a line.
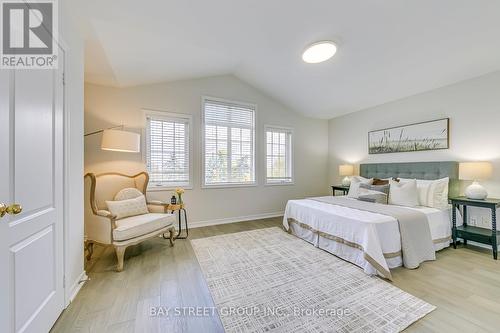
70,291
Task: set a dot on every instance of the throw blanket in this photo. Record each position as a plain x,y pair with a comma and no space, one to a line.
416,241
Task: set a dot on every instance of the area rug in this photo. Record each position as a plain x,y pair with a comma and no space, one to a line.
269,281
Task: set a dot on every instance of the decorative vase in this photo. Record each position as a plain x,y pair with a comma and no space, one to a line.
476,191
346,181
180,199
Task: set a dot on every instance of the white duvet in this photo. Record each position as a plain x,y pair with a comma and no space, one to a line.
369,240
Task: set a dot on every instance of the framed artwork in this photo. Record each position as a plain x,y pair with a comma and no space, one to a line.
429,135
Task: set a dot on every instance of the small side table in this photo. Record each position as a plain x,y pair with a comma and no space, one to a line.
473,233
181,209
340,188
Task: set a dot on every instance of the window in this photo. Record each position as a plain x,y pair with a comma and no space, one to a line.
278,155
168,149
229,146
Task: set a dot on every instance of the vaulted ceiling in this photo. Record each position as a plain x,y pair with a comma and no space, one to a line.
387,49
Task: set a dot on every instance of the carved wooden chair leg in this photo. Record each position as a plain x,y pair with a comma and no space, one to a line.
120,254
172,236
90,250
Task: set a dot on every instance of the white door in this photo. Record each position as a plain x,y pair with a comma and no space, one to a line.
31,174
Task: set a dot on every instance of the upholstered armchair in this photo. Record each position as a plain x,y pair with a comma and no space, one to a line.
104,228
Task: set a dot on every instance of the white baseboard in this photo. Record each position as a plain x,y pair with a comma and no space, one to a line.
199,224
75,288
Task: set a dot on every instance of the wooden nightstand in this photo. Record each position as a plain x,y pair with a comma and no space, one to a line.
180,208
341,188
476,234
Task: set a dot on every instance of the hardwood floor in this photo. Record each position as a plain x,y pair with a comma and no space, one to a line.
464,284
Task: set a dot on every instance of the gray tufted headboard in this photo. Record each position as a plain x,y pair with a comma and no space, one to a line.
418,170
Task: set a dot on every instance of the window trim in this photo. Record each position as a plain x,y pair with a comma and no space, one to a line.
202,141
167,115
292,153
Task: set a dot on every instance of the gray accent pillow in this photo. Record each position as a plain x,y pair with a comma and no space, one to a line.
374,193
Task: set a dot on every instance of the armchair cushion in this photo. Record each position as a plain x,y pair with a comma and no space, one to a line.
128,193
126,208
139,225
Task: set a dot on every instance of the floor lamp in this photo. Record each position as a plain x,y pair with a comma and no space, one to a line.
116,139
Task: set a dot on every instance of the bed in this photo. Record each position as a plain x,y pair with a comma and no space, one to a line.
368,239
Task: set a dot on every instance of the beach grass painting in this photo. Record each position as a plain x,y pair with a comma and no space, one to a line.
430,135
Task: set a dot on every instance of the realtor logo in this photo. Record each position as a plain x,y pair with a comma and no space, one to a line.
28,36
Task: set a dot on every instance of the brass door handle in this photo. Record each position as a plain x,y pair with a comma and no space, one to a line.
13,209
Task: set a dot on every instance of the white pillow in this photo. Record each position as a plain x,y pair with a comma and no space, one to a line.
432,193
128,193
423,187
438,193
355,182
129,207
403,193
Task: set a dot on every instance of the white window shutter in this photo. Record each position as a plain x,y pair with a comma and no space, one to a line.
279,156
229,143
167,150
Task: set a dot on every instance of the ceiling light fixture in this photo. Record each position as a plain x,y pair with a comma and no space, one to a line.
319,52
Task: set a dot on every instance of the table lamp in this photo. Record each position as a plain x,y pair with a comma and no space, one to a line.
346,170
475,171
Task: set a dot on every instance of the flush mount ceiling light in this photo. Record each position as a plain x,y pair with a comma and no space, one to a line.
319,52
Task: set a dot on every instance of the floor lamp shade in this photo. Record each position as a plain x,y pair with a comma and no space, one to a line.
123,141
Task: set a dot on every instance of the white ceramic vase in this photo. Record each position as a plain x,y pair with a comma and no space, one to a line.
476,191
346,181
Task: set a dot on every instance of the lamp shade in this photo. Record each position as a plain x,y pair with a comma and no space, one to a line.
123,141
475,170
346,170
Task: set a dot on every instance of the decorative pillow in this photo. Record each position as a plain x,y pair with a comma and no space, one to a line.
403,193
355,182
384,181
374,193
128,193
438,193
432,193
378,181
129,207
423,187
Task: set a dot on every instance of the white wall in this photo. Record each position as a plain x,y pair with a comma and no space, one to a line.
73,228
473,107
106,106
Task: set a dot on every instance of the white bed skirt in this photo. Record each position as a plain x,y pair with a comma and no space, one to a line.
302,216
